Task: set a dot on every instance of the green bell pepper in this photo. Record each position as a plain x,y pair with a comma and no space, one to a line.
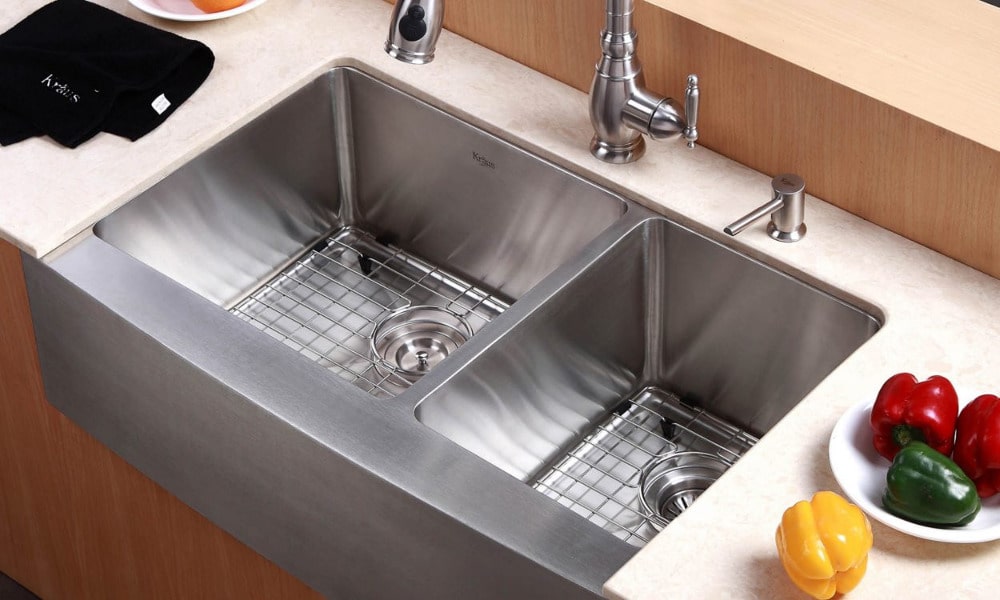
926,487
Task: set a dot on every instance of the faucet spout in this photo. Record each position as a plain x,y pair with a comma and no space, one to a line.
621,108
414,29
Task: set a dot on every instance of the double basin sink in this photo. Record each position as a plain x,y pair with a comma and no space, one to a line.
571,340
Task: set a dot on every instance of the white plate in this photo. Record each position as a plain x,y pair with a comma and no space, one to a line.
860,471
183,10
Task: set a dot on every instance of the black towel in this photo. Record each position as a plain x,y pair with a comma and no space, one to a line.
73,68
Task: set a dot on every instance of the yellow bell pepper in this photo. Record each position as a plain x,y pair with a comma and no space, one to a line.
824,544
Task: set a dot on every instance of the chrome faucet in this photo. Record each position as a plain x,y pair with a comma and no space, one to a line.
621,108
414,30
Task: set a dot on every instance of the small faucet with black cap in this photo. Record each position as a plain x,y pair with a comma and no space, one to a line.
621,108
416,25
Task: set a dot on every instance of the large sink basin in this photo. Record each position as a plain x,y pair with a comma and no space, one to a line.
568,336
366,201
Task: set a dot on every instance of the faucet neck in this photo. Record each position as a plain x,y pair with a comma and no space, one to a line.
618,40
621,108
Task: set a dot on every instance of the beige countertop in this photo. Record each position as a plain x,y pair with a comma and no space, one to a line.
940,316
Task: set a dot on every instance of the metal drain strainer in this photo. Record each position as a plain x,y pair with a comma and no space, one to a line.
411,341
670,484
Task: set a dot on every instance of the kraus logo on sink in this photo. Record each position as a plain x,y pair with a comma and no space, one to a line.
483,161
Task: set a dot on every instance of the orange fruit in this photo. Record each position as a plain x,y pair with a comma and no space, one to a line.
211,6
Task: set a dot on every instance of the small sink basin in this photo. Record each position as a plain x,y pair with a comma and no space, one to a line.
350,201
667,342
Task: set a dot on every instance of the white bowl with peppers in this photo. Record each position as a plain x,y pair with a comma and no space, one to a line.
966,433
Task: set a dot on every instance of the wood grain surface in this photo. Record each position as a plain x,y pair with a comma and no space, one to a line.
843,115
77,522
934,60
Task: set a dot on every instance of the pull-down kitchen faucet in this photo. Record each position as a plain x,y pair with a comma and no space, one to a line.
621,108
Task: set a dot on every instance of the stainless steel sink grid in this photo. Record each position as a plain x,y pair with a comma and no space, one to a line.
600,478
328,303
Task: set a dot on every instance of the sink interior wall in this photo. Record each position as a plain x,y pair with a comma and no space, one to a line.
348,150
543,386
231,217
736,337
447,192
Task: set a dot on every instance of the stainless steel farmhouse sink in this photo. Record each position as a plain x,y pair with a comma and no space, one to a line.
328,331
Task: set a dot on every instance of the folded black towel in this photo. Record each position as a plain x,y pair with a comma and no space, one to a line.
73,68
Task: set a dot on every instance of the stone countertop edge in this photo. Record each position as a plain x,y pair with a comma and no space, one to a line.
940,316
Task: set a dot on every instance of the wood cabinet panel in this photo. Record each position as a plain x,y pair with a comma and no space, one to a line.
864,155
77,522
560,38
871,159
928,58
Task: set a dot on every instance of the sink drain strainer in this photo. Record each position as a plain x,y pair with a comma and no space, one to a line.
411,341
673,483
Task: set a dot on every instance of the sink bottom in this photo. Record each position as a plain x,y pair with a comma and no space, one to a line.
600,478
330,301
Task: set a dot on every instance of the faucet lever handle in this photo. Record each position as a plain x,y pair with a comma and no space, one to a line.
691,110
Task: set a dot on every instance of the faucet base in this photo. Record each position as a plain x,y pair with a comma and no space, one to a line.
618,155
407,56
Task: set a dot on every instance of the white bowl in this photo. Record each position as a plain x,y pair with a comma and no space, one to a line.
183,10
861,472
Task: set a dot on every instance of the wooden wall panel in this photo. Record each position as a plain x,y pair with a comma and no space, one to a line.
560,38
77,522
873,160
878,162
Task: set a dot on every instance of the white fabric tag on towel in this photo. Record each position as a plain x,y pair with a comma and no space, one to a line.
161,104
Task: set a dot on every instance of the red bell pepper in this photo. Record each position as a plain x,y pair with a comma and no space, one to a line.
977,443
906,410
